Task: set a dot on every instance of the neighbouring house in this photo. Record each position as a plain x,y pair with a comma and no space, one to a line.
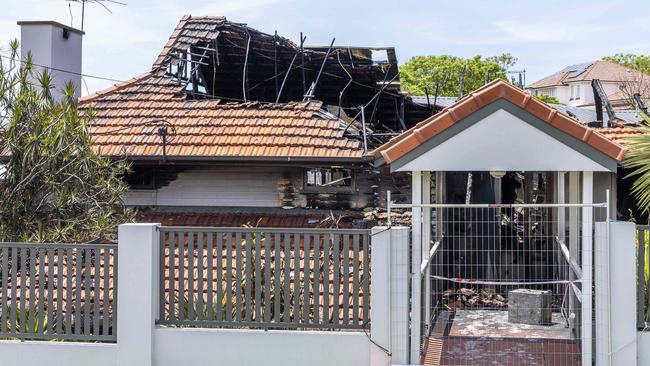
572,85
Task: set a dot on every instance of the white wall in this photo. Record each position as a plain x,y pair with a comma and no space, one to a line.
481,147
643,348
223,347
57,353
242,187
50,49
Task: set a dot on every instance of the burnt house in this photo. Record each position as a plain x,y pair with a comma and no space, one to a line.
233,126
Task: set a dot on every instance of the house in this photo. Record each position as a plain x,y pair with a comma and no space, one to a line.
505,192
572,85
233,124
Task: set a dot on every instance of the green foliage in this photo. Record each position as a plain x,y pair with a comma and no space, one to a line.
55,186
422,72
638,160
633,61
547,99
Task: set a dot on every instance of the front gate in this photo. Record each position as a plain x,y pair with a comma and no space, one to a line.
507,284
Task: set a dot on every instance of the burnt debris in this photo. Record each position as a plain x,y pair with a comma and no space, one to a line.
215,58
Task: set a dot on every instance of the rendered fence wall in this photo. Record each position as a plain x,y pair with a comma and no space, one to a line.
39,353
231,347
141,342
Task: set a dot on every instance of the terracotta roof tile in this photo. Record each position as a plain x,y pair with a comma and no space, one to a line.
128,116
498,89
619,134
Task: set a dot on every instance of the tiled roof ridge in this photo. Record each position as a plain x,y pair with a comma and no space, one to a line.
115,88
173,38
497,89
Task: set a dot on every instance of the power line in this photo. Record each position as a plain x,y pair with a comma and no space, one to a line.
65,71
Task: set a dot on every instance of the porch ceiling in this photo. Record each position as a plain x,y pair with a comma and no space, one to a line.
500,127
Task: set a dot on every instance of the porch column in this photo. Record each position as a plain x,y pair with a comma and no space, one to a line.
416,261
587,265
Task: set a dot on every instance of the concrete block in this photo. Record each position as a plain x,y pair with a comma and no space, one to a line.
528,306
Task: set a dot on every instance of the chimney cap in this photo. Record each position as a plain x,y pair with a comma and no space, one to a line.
52,23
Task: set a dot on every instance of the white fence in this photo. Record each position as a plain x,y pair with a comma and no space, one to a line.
140,342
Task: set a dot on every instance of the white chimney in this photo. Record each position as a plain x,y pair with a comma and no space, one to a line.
54,46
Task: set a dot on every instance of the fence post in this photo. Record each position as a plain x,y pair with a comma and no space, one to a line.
602,288
622,267
137,293
389,303
416,261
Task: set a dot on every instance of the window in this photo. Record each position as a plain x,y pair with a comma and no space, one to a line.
577,96
571,92
328,178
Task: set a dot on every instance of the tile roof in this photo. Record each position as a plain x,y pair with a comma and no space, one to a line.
127,118
619,134
498,89
602,70
232,219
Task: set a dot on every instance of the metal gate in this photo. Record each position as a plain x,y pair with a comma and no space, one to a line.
506,284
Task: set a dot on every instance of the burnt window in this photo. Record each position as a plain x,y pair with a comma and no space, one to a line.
328,178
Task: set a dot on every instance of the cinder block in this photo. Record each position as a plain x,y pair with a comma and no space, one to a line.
528,306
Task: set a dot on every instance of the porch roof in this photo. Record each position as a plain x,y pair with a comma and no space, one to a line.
488,123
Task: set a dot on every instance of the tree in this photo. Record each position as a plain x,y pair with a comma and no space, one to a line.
54,186
425,72
633,61
638,160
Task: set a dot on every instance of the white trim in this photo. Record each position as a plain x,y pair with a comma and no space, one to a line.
587,267
416,244
502,142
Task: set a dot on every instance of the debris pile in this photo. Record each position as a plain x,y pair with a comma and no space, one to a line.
463,298
379,216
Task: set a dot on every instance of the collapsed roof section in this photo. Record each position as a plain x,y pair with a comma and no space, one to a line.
215,58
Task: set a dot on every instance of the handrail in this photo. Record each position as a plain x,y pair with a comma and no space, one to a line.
432,252
567,256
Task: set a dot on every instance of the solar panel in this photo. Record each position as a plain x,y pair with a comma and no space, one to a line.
575,70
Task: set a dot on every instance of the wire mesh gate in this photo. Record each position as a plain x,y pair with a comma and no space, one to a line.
508,284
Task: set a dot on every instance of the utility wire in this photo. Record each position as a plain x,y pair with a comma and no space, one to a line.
66,71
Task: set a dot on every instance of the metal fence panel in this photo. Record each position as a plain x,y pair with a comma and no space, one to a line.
268,278
58,291
509,282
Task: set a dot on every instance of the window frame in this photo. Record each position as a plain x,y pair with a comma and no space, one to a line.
328,189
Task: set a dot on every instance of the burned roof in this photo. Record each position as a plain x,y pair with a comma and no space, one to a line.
221,90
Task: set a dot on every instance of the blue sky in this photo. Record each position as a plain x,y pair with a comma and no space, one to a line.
545,35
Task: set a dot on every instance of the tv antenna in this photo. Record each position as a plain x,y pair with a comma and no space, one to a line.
103,3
